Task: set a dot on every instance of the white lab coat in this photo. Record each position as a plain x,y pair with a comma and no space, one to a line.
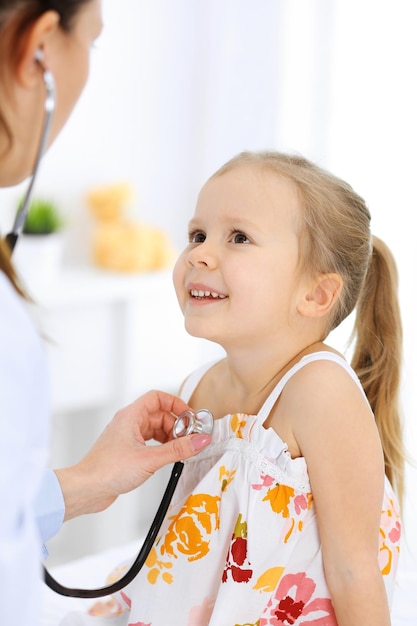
24,417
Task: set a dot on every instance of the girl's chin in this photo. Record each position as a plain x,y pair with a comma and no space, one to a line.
196,329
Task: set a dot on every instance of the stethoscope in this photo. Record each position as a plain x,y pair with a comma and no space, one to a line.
185,424
49,106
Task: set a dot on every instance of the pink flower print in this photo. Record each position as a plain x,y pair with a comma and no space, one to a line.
126,599
394,534
303,502
389,538
390,520
200,615
294,604
266,482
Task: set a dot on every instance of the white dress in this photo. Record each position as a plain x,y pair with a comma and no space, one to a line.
240,545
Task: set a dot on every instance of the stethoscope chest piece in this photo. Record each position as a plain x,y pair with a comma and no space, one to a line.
193,422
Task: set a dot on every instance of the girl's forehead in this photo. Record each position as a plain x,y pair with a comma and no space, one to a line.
250,187
252,177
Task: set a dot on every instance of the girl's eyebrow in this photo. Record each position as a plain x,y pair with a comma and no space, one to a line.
231,220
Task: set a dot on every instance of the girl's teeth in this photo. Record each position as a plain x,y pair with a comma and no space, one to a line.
199,293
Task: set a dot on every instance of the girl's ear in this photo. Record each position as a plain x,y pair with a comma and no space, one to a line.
320,299
36,38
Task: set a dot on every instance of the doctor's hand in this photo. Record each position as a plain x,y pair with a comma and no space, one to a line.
120,460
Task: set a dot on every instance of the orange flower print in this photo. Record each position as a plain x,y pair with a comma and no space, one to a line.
294,604
279,498
188,534
226,477
283,501
157,566
237,424
237,555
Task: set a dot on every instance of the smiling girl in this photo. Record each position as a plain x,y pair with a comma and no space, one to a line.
288,517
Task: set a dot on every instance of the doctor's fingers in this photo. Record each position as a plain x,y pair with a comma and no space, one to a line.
176,450
154,414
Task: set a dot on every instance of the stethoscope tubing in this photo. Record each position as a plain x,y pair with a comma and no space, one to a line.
141,557
11,239
49,108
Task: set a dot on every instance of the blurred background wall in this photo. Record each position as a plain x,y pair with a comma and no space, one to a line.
177,88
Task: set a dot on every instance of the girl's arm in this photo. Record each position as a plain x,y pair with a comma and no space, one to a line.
336,433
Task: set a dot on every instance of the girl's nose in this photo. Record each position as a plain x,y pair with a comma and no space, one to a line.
202,255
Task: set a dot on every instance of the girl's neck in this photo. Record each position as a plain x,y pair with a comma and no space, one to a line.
243,381
256,374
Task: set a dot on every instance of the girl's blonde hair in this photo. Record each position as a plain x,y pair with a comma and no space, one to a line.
335,236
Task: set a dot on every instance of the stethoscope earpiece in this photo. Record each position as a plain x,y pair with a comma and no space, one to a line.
39,55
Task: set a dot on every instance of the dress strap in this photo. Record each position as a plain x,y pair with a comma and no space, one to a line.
194,378
305,360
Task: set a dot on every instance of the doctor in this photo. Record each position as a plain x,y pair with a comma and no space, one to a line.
34,501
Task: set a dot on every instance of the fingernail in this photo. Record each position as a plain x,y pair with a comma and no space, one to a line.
198,442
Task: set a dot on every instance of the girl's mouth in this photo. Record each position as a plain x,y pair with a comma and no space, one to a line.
201,294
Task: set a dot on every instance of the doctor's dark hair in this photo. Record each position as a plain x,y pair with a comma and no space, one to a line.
16,16
335,237
27,11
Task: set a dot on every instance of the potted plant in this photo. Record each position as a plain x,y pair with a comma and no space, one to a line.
43,218
39,249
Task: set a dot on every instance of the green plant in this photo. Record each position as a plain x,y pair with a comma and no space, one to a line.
43,218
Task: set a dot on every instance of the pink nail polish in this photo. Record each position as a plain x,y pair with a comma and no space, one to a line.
198,442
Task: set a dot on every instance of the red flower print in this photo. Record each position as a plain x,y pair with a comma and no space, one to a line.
237,555
294,604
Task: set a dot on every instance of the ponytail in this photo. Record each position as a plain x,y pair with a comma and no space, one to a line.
377,355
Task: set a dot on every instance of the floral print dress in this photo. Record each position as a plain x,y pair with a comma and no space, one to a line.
240,544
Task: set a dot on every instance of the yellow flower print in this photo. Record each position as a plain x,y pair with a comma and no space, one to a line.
226,477
237,424
156,567
269,579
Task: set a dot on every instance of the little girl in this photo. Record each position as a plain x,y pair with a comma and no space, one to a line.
286,518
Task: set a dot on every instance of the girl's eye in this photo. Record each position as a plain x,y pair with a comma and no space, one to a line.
196,237
239,237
